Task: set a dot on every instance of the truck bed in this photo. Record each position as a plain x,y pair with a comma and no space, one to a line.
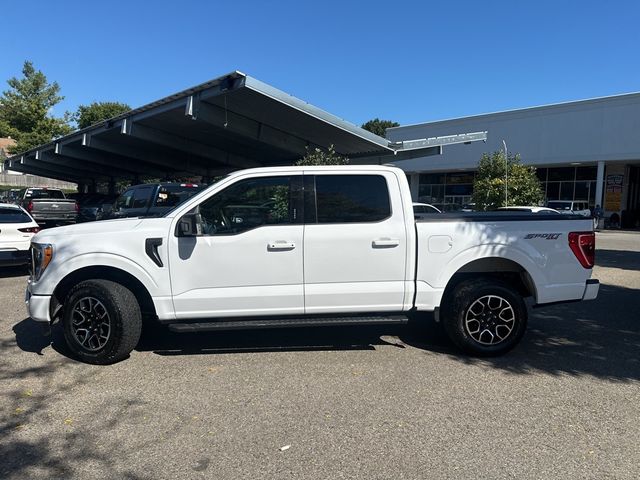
535,245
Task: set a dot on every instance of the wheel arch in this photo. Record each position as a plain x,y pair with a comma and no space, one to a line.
499,268
103,272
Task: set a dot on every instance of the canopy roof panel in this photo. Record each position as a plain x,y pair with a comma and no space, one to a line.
228,123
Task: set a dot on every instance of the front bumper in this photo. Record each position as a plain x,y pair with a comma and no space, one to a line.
9,258
37,305
55,218
591,289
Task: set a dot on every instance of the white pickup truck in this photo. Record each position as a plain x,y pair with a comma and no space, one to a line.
301,246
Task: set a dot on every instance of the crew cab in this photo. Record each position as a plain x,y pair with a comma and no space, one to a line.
48,206
301,246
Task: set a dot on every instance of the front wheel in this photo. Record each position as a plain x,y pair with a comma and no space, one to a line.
102,321
485,317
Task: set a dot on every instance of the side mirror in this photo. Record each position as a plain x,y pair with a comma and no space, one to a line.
187,226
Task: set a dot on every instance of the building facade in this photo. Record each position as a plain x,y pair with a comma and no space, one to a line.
585,151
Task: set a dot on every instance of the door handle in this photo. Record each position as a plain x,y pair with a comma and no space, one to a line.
280,245
385,243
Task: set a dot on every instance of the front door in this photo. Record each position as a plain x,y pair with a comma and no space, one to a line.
247,259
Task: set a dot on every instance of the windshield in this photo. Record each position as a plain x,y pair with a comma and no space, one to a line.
44,193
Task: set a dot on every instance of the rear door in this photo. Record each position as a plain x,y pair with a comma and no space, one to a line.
355,243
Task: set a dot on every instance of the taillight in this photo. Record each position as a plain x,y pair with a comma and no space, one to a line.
30,206
29,230
583,246
77,207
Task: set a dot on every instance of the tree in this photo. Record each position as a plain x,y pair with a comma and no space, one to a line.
523,186
25,110
379,127
318,156
97,112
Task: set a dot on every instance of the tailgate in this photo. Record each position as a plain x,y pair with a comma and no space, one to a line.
53,206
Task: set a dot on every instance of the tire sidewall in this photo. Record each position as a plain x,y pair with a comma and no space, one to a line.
98,291
470,292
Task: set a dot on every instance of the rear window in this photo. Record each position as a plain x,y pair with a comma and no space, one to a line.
44,193
560,205
352,198
13,215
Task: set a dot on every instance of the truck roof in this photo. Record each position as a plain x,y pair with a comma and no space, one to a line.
316,168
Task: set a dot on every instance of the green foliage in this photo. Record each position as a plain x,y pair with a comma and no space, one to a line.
97,112
25,110
320,157
280,209
378,126
523,186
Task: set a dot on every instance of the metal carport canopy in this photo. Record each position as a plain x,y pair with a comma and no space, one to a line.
226,124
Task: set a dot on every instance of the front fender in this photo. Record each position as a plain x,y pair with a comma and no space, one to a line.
57,271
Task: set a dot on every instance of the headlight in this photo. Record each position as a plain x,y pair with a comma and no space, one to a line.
41,256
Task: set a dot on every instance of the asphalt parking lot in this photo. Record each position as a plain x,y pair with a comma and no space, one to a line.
392,402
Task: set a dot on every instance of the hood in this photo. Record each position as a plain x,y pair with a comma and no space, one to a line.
101,227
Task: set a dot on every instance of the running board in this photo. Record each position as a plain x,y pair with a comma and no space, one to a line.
286,323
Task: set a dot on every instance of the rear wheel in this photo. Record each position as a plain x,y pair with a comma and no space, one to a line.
102,321
485,317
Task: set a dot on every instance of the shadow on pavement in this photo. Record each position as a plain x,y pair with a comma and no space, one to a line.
600,338
32,336
164,342
32,400
618,259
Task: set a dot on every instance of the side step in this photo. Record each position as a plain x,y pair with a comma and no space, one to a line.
286,323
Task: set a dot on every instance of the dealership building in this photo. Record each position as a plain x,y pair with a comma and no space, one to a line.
585,150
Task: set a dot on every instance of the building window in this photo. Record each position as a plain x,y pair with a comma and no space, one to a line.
563,173
586,173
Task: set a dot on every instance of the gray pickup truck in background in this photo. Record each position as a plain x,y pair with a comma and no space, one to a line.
48,206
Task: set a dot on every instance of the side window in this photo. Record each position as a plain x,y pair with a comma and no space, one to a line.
249,204
352,198
141,197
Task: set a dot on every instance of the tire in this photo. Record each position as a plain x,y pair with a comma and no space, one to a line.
102,321
485,317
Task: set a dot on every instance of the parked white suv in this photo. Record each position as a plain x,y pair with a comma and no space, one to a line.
301,246
570,207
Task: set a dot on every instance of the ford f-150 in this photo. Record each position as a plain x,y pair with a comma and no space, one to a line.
301,246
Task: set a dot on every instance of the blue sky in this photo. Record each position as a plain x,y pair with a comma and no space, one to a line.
406,61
